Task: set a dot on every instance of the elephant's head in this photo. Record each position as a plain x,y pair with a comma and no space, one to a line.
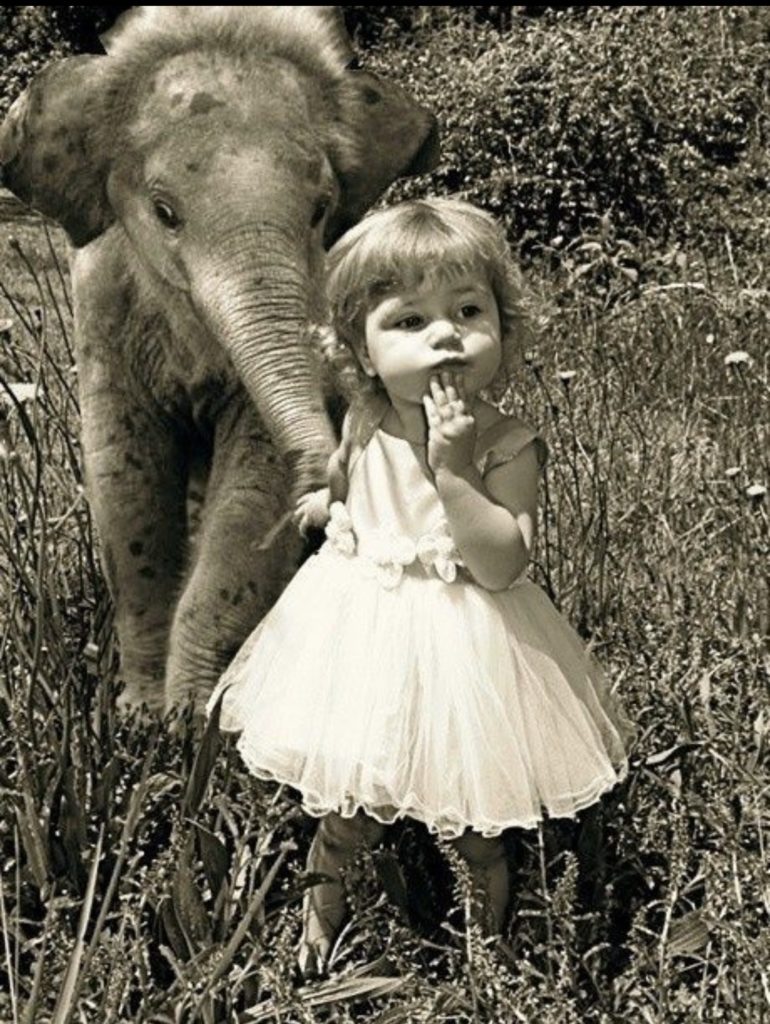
231,144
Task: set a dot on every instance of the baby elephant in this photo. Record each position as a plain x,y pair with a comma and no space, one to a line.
199,169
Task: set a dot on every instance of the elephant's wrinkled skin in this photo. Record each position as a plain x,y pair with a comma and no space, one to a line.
199,168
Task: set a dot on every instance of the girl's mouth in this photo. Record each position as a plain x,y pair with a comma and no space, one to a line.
459,362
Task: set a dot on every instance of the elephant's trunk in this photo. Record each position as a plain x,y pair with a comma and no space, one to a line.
258,312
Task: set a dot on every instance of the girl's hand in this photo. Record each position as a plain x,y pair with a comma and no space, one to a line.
312,510
451,427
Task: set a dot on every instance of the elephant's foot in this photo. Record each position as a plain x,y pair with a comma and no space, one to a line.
184,719
141,693
188,697
142,672
204,639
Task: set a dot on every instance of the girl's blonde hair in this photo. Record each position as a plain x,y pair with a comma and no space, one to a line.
400,247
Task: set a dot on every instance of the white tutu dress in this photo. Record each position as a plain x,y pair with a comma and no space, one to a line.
386,680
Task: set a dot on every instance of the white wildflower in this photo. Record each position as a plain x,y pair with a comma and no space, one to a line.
739,358
756,491
732,471
21,392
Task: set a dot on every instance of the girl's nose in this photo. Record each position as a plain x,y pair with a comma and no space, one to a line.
445,334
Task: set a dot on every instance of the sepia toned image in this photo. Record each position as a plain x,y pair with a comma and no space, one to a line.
383,514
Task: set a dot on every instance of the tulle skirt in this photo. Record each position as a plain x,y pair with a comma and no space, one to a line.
446,703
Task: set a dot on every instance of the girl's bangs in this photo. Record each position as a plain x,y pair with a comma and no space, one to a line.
423,246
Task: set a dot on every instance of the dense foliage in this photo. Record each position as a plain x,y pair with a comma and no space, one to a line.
623,126
28,45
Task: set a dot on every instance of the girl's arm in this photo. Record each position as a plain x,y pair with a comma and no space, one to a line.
493,519
337,470
312,510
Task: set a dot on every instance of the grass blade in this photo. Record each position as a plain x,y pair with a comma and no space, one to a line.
65,1003
12,979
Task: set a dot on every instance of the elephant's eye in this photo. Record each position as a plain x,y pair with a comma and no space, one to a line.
319,212
165,214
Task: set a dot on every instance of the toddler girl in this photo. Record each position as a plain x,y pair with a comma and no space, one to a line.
410,668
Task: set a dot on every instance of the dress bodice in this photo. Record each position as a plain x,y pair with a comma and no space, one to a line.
391,490
393,519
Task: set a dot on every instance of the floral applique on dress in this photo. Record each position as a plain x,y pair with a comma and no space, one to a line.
391,553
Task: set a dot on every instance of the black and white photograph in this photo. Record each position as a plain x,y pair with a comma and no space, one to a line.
384,540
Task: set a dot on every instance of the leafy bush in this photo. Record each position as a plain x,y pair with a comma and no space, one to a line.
80,26
642,122
369,24
30,41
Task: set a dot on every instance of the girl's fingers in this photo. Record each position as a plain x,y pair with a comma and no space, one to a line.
431,412
452,384
446,401
439,398
300,520
437,391
445,396
450,389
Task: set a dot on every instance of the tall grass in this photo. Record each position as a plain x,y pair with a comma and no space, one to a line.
146,877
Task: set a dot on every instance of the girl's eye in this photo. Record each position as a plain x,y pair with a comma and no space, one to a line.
470,309
409,322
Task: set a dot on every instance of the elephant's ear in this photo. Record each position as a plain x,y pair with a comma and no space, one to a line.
46,154
389,136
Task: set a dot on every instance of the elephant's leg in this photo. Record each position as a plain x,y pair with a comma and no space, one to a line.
137,485
232,583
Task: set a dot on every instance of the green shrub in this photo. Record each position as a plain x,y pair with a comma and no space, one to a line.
369,24
643,122
30,41
80,26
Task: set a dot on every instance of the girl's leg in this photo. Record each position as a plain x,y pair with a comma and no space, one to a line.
489,870
333,848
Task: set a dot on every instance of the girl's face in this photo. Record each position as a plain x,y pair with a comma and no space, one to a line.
441,324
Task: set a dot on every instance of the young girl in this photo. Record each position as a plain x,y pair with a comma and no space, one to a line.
410,668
